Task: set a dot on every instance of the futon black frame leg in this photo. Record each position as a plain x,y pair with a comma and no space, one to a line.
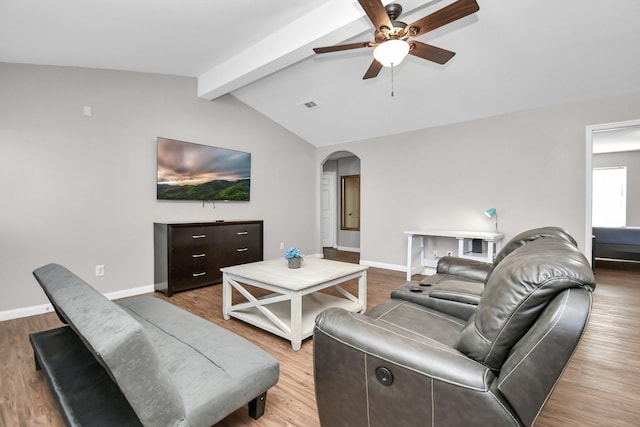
256,406
35,358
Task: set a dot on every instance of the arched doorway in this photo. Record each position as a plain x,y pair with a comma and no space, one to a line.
338,171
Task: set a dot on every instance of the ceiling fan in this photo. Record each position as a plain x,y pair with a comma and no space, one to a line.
391,37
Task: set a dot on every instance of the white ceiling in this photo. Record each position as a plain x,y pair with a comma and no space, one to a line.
510,56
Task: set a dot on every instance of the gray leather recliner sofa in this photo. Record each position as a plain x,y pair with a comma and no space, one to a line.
459,282
407,364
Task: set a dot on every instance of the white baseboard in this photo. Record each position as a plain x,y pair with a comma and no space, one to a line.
386,266
429,271
417,270
47,308
129,292
25,312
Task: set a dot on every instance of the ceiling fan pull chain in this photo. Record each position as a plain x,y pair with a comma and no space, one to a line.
392,80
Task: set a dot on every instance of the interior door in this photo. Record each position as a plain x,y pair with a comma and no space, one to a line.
328,210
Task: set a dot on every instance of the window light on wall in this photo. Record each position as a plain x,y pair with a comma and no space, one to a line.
609,206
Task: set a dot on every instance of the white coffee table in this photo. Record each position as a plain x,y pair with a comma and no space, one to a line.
291,309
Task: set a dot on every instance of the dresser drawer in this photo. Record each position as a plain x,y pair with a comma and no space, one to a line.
194,276
243,244
196,254
241,232
242,255
191,237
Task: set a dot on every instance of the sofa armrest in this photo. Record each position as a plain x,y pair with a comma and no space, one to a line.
368,369
464,267
411,351
448,294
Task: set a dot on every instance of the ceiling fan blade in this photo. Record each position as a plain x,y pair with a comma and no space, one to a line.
376,12
373,71
430,53
444,16
341,47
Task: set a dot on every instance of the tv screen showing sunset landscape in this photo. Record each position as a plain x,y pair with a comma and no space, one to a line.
188,171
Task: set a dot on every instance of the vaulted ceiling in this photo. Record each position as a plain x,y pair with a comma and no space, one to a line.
510,56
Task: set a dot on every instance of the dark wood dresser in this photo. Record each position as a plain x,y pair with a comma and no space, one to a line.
190,255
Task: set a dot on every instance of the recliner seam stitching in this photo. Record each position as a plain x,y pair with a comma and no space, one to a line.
366,385
515,421
390,310
447,349
434,314
415,333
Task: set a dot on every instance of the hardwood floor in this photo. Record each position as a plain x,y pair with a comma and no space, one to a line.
601,385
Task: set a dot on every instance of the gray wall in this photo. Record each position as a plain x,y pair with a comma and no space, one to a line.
630,159
80,190
530,166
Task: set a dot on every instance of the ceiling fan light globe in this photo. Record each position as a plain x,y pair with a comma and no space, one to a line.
391,52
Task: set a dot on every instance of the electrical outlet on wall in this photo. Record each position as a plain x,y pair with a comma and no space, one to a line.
100,270
449,253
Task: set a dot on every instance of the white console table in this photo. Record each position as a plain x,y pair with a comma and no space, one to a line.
493,239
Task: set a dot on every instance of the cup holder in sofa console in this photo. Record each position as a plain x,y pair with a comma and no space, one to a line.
452,296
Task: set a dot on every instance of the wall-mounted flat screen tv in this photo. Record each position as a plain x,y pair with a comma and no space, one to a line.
188,171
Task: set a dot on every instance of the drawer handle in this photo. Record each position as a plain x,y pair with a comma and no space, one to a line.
199,236
198,255
199,274
242,249
242,233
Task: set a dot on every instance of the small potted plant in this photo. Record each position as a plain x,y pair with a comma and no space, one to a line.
294,257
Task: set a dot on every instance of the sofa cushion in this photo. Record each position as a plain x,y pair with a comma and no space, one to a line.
119,343
516,293
214,370
417,320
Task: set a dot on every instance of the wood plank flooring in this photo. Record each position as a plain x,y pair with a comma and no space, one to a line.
600,387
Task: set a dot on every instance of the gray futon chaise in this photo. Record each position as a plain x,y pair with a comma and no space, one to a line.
144,361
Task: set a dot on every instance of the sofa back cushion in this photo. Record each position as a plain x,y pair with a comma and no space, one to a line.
118,342
515,294
531,235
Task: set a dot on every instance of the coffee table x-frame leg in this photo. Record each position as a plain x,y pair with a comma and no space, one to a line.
289,313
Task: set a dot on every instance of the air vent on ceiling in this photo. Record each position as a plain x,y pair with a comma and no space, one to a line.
309,105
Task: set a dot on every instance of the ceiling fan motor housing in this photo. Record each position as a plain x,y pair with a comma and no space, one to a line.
394,10
398,30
